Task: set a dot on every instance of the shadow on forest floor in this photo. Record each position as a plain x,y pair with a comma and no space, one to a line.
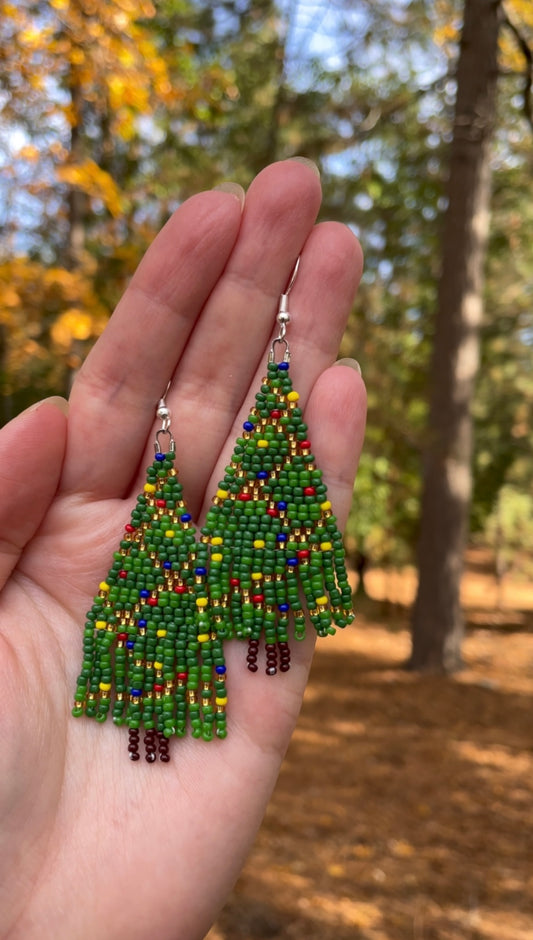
404,808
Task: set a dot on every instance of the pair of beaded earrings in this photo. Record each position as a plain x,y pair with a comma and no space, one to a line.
269,549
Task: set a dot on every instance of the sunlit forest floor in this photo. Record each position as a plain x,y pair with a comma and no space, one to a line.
404,808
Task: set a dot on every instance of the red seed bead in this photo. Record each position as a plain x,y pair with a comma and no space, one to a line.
152,601
129,527
244,497
272,512
122,636
181,675
161,503
305,444
235,582
258,598
275,413
309,491
180,589
123,574
159,688
303,553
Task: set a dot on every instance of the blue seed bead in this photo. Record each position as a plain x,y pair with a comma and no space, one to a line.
262,475
292,562
144,593
220,670
142,623
283,366
281,537
186,517
167,565
282,504
248,426
130,644
284,607
200,571
136,692
160,457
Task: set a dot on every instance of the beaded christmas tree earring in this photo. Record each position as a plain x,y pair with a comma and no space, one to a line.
149,649
274,545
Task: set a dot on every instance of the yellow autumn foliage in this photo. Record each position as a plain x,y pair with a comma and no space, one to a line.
70,325
97,183
44,314
520,12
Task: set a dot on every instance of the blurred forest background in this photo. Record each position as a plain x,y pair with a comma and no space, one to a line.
112,113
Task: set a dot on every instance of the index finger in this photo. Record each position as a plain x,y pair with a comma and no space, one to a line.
112,400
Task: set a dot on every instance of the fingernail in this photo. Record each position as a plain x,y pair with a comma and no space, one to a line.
351,363
235,189
56,400
307,162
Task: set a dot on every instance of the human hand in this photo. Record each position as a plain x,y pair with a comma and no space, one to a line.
90,843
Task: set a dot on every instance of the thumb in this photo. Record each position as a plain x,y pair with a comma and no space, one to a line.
32,447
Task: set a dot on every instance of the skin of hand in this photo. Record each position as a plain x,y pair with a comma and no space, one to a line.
92,844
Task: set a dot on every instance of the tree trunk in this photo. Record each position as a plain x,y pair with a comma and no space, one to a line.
438,627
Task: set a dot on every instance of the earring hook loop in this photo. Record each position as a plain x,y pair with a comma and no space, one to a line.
283,317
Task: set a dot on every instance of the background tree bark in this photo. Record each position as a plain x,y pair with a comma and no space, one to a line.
437,628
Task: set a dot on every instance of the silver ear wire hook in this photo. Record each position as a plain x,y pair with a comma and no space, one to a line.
284,317
163,412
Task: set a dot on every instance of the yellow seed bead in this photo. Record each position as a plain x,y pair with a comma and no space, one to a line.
149,488
325,505
217,540
326,546
202,637
257,575
161,632
259,543
104,586
262,443
105,686
222,493
100,624
158,665
217,556
202,601
169,533
293,396
322,600
221,701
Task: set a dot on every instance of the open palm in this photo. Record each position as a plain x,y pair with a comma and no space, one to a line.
91,844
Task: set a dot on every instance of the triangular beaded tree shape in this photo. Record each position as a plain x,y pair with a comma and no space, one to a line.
274,545
149,650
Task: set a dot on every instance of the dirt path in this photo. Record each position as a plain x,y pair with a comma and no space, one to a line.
404,809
